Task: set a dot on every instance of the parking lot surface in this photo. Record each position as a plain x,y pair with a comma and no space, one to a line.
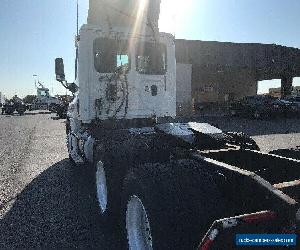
45,202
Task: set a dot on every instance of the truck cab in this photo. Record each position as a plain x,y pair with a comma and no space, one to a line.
122,75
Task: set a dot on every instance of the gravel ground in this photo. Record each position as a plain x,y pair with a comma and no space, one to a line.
45,202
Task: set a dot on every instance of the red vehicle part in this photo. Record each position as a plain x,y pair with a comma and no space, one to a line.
220,226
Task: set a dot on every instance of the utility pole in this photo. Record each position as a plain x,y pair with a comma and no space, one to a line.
77,26
35,76
77,35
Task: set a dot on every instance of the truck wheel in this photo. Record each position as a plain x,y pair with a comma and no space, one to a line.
169,206
107,195
138,225
101,187
112,160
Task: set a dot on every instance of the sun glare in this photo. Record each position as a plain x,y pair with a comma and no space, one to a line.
173,14
142,5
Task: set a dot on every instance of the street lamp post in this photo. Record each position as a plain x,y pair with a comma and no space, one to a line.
35,77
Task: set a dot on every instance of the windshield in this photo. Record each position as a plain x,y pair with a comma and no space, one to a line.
43,93
151,58
110,55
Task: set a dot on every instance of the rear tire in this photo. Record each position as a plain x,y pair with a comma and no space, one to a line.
107,186
169,206
118,153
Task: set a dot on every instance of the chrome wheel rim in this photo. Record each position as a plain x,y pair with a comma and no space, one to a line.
138,225
101,187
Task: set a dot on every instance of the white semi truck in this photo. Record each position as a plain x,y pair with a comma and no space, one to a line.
164,184
44,101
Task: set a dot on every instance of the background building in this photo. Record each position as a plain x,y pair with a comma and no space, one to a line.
223,72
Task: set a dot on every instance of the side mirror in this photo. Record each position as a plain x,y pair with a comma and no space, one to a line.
59,69
73,87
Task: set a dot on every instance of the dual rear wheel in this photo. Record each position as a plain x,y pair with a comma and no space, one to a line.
137,223
160,206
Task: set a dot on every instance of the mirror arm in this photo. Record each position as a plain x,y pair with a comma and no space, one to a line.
72,87
64,84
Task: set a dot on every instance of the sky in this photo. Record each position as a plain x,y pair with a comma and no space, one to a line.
34,32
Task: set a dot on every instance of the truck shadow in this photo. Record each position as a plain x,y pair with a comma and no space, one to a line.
57,209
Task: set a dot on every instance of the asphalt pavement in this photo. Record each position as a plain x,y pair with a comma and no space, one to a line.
46,202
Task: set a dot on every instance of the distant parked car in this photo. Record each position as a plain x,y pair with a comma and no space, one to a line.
289,108
260,106
10,107
295,101
15,104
